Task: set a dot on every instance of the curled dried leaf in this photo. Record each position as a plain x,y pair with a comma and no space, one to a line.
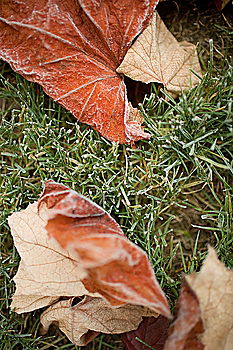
213,286
185,331
86,258
116,268
205,309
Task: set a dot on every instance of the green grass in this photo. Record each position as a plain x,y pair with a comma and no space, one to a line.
172,195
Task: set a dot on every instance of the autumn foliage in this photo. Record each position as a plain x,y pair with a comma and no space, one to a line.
76,260
72,48
80,50
116,268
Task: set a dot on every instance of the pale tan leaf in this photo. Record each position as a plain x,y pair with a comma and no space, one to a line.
156,56
21,301
213,286
82,322
184,78
46,269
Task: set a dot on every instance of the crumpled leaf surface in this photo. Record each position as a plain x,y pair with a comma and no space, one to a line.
78,321
156,56
152,331
205,315
116,268
61,266
72,48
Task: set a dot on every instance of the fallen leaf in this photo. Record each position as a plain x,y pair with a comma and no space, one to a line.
152,331
72,49
116,268
205,309
185,331
68,203
156,56
83,321
214,289
220,4
73,264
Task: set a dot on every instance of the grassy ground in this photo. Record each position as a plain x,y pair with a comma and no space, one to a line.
172,195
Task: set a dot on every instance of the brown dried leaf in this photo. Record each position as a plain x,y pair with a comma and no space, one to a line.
156,56
116,268
48,272
213,286
184,332
83,321
205,309
28,299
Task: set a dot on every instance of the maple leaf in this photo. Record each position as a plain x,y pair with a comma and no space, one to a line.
152,331
156,56
115,267
73,263
205,309
72,48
